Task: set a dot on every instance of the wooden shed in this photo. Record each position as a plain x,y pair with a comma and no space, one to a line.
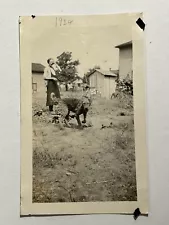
103,81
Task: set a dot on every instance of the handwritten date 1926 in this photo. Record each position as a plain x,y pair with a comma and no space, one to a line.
63,22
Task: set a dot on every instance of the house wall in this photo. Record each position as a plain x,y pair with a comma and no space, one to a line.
125,62
78,81
78,84
92,80
38,78
104,84
109,86
96,80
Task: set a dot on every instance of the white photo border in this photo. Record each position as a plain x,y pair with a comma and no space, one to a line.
126,207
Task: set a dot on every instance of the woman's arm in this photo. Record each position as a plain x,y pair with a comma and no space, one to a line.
58,67
47,74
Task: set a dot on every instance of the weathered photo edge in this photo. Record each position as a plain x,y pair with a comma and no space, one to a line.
29,208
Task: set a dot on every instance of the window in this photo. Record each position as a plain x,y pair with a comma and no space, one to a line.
34,87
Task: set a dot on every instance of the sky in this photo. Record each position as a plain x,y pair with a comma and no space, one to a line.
91,44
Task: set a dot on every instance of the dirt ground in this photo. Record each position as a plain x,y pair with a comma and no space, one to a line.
92,164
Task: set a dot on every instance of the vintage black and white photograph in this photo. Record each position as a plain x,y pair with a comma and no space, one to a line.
82,109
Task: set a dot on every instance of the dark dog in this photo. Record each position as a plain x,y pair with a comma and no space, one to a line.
77,106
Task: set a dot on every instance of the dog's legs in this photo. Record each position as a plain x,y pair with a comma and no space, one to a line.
67,116
78,121
60,123
84,114
67,123
67,119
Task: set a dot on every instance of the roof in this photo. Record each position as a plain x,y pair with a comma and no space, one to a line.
126,44
106,73
78,81
79,78
115,71
37,68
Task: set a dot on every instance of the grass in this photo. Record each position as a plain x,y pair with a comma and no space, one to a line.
93,164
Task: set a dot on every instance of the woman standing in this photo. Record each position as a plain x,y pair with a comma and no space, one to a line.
50,78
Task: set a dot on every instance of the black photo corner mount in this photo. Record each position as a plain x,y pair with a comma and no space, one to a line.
33,16
136,213
141,24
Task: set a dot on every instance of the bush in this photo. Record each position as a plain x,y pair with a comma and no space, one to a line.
125,101
125,86
124,92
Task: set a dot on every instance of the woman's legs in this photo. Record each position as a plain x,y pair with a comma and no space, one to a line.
56,90
52,87
51,108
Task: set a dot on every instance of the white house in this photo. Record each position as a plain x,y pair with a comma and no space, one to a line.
125,59
78,81
103,81
38,84
77,84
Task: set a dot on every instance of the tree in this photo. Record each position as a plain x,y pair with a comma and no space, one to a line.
68,68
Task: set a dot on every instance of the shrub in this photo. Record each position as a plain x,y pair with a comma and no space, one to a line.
124,92
125,86
125,101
